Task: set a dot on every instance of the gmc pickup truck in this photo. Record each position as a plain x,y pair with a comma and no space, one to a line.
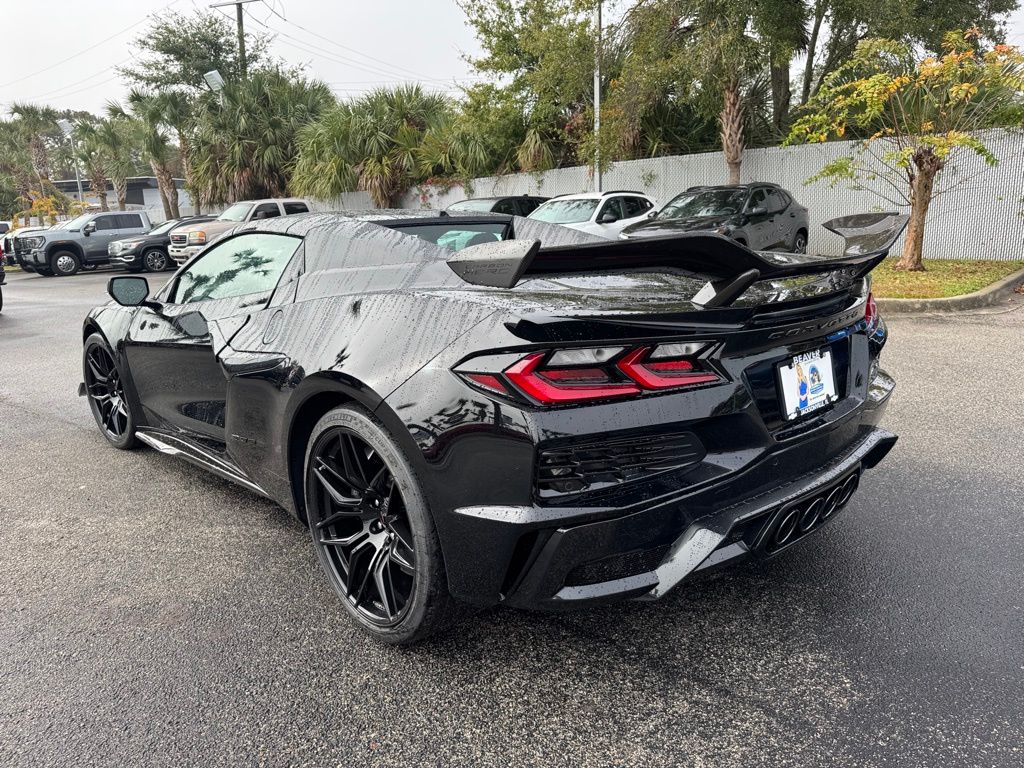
80,243
190,239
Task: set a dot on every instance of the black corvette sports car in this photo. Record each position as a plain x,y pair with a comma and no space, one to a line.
489,409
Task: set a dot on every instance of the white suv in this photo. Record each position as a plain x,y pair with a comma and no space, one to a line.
604,214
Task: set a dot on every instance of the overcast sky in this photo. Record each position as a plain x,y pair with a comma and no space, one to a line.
67,59
368,43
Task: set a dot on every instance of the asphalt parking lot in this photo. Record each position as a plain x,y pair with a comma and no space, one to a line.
151,614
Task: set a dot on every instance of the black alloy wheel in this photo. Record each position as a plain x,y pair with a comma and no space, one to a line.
371,529
154,260
105,391
64,263
800,243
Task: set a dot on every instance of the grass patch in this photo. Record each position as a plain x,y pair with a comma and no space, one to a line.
940,279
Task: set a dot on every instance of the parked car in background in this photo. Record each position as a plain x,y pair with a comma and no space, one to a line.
148,252
763,217
604,214
7,242
189,239
521,205
81,242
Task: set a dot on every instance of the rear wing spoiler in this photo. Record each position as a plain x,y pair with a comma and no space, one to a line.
730,267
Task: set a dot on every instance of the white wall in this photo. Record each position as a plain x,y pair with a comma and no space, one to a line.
981,218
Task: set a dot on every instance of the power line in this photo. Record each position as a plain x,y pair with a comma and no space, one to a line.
393,70
90,48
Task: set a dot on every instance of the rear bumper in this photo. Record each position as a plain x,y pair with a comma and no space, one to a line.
566,557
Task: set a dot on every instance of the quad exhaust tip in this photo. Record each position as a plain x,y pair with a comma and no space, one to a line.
795,522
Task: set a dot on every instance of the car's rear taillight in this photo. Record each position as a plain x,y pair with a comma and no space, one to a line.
550,385
653,373
871,312
567,376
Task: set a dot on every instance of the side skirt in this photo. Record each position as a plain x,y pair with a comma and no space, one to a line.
173,446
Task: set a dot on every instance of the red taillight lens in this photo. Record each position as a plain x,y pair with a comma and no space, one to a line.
488,381
871,312
564,385
663,374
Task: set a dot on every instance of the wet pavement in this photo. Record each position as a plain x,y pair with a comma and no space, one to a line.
151,614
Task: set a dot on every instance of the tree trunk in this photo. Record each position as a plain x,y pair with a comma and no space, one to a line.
812,45
782,94
168,190
98,186
185,150
926,167
121,192
732,128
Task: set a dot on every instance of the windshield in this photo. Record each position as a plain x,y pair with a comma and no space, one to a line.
483,206
565,211
456,237
77,223
167,226
708,202
236,212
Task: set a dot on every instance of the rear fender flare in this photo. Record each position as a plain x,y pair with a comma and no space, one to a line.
316,395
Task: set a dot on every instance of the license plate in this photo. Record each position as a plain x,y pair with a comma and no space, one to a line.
807,383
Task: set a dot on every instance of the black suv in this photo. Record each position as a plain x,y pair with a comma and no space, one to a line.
149,251
521,205
763,217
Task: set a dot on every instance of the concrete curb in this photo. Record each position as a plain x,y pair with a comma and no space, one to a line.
986,297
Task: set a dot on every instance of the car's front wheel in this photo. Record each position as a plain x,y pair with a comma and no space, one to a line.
155,260
104,387
64,263
372,530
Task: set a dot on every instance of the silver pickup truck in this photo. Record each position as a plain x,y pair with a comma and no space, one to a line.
188,240
82,242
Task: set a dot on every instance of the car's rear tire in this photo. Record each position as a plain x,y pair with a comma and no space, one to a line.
64,263
155,260
372,529
800,242
104,388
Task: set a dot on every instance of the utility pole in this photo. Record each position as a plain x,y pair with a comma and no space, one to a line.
597,103
240,18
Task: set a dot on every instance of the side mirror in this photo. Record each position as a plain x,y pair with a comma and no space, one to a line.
129,290
608,218
757,210
89,228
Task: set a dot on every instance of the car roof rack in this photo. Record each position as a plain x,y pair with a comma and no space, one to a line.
623,192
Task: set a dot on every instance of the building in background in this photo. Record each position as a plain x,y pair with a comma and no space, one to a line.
143,194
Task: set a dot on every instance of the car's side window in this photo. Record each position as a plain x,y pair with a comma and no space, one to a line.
129,221
294,207
506,207
777,201
527,204
611,205
247,264
634,206
757,199
266,211
105,223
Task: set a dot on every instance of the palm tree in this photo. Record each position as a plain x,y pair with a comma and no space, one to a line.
146,117
90,154
37,124
177,112
378,144
116,139
246,143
